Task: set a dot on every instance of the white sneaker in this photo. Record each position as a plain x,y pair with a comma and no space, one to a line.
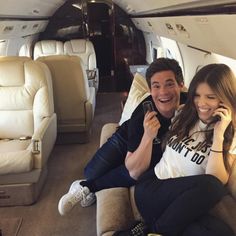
76,194
88,200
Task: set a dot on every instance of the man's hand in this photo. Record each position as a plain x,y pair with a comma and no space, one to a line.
151,124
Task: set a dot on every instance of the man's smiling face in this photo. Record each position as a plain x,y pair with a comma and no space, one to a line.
165,92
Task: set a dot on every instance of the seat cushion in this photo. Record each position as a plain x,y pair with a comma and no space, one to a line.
18,161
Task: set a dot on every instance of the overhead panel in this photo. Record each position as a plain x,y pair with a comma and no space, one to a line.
135,7
131,6
210,32
13,29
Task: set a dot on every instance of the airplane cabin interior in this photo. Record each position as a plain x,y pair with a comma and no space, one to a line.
71,72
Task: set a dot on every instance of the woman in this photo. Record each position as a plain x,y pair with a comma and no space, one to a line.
175,198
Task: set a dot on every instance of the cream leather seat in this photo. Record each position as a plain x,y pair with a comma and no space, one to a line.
85,50
27,129
26,50
74,99
47,48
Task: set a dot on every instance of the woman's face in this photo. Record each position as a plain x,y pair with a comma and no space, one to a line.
205,101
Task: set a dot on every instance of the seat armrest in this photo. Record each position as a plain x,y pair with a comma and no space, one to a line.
96,79
90,106
113,210
107,131
43,140
226,211
93,78
92,97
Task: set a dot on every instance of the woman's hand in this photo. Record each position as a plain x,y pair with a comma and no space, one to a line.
215,165
151,124
225,115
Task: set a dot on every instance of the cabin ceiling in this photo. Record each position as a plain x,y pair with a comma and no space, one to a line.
29,8
46,8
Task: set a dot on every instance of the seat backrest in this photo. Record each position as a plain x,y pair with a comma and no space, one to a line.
71,92
25,96
47,48
84,49
26,50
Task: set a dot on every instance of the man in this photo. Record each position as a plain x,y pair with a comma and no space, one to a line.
165,80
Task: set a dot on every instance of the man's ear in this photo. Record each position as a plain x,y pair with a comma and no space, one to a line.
183,87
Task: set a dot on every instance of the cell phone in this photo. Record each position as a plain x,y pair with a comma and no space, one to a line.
215,118
147,106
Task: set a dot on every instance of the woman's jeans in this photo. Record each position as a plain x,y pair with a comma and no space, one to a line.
109,156
172,206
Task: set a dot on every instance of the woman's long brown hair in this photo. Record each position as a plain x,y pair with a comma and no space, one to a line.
222,81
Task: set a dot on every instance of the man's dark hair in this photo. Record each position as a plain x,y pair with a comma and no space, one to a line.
164,64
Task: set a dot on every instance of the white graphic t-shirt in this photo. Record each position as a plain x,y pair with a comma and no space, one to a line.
185,158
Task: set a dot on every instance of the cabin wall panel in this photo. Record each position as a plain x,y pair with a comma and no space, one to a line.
152,41
16,29
194,59
3,47
16,33
213,33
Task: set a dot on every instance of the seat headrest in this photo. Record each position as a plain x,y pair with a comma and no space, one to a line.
12,71
47,48
78,45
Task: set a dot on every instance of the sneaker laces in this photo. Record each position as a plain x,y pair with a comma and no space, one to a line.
90,196
77,196
84,193
138,229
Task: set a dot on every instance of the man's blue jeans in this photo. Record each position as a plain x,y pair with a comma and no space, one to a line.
109,156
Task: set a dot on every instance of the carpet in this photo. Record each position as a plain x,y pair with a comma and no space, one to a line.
10,226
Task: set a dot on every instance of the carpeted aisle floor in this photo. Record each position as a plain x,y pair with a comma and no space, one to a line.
10,226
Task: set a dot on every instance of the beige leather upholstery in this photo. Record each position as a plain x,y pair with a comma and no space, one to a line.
74,99
26,50
27,128
47,48
85,50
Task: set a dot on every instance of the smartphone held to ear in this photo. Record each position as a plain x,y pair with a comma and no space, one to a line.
216,118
